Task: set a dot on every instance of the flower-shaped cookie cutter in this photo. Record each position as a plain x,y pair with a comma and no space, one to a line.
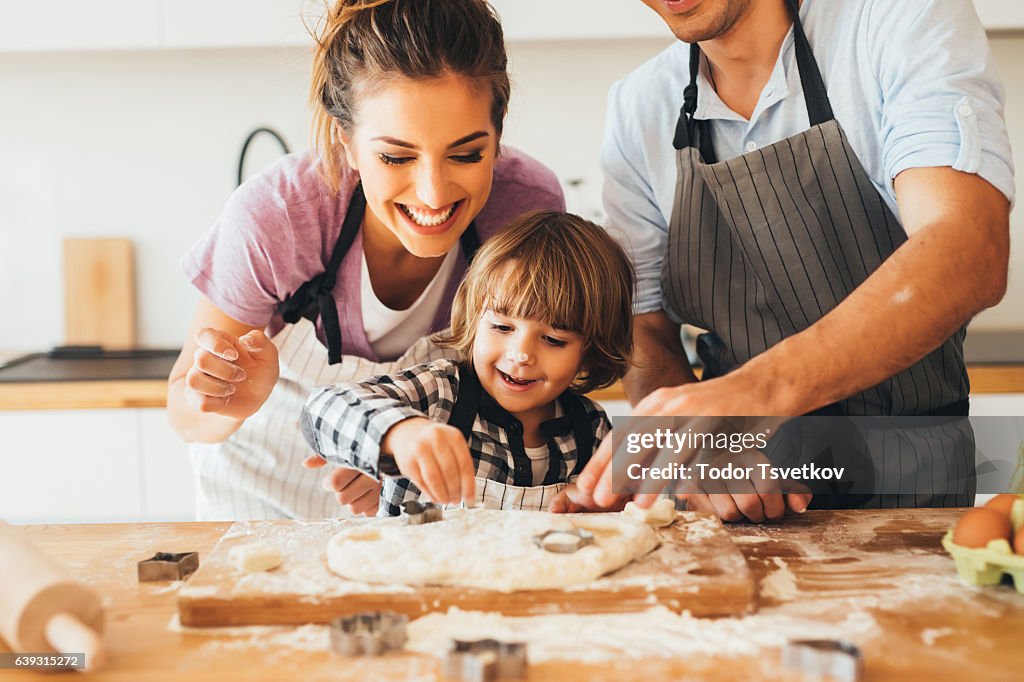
564,541
417,513
368,634
484,660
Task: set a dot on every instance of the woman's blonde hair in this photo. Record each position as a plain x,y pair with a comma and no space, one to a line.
361,44
565,271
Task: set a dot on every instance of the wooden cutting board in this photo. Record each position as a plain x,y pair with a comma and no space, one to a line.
696,568
99,292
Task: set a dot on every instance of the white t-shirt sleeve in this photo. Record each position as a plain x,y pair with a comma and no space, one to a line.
633,216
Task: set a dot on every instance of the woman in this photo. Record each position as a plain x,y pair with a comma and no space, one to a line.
368,235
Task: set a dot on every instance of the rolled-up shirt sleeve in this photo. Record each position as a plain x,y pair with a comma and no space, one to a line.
345,424
942,102
633,217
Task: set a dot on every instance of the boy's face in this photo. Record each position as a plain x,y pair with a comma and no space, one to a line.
525,365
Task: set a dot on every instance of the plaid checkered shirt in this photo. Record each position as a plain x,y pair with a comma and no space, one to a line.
345,425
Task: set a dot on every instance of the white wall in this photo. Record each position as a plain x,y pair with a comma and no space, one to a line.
145,144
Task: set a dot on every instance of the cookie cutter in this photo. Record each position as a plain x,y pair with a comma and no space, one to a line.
836,658
484,660
417,513
573,540
368,634
168,566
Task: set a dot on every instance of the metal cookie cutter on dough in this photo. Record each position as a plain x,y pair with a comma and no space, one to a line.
368,634
417,513
818,657
564,541
168,566
485,660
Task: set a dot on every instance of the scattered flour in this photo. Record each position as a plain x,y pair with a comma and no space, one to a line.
655,633
929,636
779,584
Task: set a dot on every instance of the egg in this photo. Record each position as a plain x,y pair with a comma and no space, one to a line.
1018,542
1002,503
980,525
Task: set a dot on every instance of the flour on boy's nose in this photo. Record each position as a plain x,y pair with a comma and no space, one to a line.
513,356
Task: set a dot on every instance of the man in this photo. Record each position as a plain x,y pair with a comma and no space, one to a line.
832,204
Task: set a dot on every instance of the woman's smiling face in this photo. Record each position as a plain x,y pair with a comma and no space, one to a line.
425,151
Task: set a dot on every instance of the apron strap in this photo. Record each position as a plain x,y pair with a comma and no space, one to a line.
315,298
582,429
467,402
819,110
693,132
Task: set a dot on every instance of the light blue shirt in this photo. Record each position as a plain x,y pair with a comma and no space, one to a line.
911,82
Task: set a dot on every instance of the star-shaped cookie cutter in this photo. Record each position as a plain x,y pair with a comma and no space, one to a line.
417,513
368,634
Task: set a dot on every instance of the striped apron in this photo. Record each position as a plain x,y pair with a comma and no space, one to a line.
762,246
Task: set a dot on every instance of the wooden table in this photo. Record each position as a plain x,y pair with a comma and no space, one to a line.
818,567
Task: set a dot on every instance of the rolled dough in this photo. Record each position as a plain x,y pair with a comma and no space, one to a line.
660,514
486,549
255,557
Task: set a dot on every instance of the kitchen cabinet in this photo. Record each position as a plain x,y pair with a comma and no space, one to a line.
93,465
71,25
1000,15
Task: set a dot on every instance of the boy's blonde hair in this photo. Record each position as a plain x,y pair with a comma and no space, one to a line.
568,273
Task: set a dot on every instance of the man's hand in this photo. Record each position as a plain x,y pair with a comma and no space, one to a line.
352,488
435,457
570,500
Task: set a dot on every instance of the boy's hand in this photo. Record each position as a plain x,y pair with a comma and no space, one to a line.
572,500
352,488
434,456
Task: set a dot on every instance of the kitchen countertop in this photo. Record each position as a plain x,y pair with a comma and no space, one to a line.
102,394
882,569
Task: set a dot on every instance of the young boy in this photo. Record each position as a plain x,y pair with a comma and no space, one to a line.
543,316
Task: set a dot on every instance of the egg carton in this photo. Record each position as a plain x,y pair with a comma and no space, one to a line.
987,565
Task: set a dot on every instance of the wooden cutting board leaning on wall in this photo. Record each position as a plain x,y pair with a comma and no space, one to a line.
99,292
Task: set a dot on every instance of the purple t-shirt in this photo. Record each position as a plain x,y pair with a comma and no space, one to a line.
279,228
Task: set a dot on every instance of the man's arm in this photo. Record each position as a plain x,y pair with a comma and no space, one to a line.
658,357
953,265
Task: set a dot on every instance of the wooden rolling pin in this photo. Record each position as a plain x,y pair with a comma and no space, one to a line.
42,608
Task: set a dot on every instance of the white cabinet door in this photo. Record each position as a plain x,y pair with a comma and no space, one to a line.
1000,15
997,405
69,466
27,26
168,489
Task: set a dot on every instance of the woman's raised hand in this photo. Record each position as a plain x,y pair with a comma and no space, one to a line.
230,375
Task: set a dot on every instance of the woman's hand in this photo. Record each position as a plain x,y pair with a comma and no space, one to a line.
435,457
231,376
352,488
